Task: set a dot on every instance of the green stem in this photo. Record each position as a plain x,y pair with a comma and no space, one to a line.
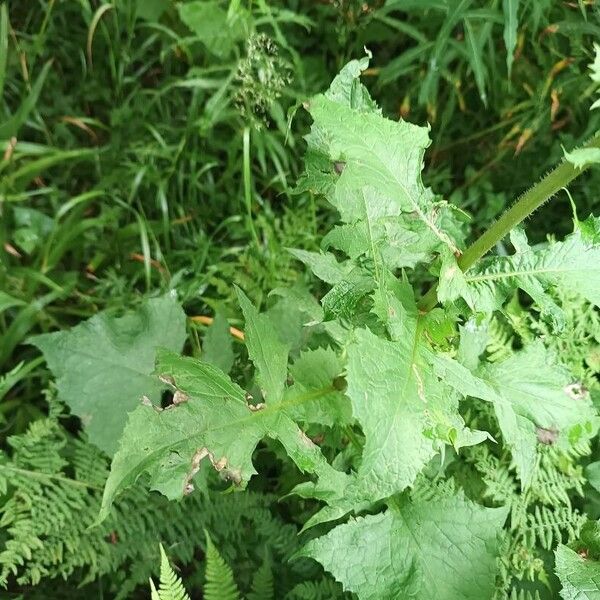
530,201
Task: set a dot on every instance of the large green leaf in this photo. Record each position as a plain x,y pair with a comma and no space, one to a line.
443,549
579,576
369,168
104,366
530,391
406,413
212,419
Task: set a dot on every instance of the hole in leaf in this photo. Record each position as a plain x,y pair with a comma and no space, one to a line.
166,398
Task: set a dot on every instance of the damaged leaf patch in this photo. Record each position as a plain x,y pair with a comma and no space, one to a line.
210,418
197,458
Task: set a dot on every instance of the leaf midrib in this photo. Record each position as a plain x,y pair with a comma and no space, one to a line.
502,275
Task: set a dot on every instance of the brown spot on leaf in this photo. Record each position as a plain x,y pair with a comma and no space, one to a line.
576,391
147,402
197,458
201,453
339,166
305,439
546,436
220,464
168,379
179,397
234,475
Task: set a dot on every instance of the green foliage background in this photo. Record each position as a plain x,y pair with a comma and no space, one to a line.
150,146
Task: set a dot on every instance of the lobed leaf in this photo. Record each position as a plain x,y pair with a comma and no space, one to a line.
211,419
529,392
573,264
369,168
406,413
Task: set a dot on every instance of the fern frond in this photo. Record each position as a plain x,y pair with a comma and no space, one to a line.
555,476
323,589
50,492
219,584
424,489
170,587
547,527
500,482
524,595
501,340
578,343
262,583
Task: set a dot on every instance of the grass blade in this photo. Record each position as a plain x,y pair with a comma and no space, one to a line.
10,127
3,45
511,23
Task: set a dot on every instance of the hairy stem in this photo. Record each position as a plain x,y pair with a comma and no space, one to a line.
530,201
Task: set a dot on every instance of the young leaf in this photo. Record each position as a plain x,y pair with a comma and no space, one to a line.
579,576
103,366
442,549
367,166
581,157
